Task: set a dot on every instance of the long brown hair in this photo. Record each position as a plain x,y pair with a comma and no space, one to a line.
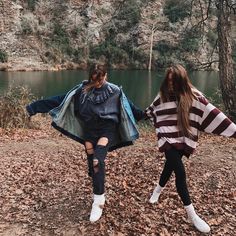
97,76
177,86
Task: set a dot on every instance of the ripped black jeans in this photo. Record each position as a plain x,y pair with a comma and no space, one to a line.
100,152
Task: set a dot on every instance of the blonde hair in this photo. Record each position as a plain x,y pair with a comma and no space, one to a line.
177,84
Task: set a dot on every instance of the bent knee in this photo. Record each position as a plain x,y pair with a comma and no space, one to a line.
89,148
103,141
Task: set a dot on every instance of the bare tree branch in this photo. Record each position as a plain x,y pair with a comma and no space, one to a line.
206,65
202,22
232,6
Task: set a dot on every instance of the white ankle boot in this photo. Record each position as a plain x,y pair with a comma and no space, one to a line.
97,207
199,223
156,193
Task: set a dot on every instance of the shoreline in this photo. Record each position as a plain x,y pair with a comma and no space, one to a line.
6,67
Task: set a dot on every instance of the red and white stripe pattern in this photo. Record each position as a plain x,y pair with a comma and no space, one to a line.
203,117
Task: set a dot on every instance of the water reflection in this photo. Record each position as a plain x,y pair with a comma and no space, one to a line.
140,86
206,81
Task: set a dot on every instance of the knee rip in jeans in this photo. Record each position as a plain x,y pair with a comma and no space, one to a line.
100,152
89,148
89,151
97,165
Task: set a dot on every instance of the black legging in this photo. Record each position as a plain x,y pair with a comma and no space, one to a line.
174,163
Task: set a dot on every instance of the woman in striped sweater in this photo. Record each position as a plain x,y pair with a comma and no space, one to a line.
179,113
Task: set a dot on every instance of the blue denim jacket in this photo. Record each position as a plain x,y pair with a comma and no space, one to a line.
61,109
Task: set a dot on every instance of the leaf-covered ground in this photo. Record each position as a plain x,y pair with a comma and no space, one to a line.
45,190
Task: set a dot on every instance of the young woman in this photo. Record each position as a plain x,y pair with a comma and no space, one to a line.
178,113
97,114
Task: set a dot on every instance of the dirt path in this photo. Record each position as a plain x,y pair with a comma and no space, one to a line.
45,190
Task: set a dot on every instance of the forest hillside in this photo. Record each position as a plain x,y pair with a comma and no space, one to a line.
70,34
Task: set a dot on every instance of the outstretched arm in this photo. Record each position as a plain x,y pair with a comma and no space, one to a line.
150,111
216,122
44,105
137,112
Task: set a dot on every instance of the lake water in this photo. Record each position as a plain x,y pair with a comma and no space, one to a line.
139,85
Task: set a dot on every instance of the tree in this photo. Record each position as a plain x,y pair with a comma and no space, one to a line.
151,46
226,73
155,20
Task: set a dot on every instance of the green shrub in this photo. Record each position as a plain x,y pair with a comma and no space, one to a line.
164,47
26,27
31,4
76,31
129,15
163,61
102,12
50,56
60,34
60,39
177,10
168,54
190,44
12,106
190,41
123,53
212,37
78,55
60,8
3,56
139,55
113,53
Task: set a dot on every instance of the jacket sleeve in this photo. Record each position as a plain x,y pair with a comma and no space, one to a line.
44,105
216,122
137,112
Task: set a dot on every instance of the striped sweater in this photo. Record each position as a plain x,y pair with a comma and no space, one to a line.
203,117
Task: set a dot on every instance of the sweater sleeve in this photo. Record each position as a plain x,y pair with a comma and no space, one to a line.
149,111
216,122
44,105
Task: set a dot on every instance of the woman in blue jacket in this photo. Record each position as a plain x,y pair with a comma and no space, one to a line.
97,114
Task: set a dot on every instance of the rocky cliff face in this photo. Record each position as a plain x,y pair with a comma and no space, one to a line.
68,34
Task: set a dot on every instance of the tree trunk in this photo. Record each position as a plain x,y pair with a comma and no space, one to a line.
150,52
226,73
